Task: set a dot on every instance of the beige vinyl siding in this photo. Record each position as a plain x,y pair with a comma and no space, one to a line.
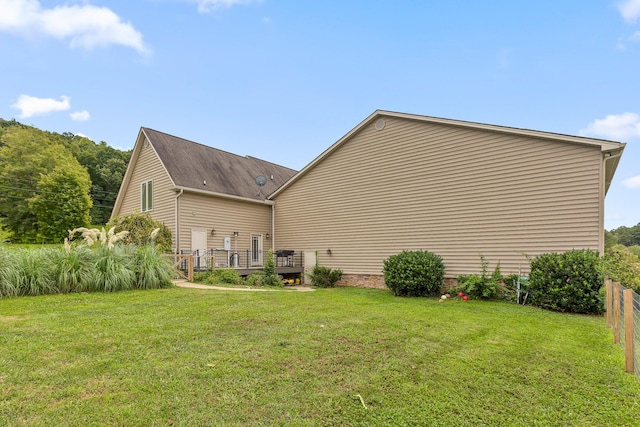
456,191
202,212
148,167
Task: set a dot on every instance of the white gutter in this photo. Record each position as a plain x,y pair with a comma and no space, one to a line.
273,227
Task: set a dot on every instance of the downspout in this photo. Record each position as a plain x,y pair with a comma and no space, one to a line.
273,227
177,217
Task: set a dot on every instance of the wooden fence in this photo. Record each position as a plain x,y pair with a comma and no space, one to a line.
182,263
623,308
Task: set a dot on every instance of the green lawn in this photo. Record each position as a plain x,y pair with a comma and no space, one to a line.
208,358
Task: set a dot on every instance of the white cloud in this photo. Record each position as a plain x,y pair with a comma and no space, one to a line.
632,183
85,26
210,5
630,10
615,126
32,106
80,116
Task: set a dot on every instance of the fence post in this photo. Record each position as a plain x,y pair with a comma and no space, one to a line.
213,262
608,300
629,330
190,268
616,313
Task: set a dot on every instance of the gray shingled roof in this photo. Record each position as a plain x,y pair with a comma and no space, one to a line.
191,164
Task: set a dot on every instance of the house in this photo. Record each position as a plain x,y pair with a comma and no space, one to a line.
210,199
394,182
459,189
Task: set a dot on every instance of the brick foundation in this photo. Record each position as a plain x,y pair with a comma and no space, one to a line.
376,281
363,281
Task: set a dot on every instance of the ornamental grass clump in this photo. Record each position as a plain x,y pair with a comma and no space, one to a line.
34,275
98,262
113,269
72,268
152,270
8,273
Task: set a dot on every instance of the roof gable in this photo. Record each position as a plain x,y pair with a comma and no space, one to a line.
611,148
199,167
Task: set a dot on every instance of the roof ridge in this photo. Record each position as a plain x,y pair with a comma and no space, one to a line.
272,163
471,122
213,148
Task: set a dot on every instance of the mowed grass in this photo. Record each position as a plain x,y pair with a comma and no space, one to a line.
187,357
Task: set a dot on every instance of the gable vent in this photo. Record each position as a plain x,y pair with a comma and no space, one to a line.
380,124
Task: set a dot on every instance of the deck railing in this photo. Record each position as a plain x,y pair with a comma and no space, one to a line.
189,261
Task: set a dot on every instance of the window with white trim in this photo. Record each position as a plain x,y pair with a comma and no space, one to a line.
146,192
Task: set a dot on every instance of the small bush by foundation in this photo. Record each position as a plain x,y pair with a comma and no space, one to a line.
324,277
414,273
567,282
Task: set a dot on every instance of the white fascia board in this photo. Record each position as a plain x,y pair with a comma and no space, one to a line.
222,195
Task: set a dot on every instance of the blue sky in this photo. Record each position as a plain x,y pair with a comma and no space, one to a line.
282,80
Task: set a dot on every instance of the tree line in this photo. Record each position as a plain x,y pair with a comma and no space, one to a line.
627,236
51,183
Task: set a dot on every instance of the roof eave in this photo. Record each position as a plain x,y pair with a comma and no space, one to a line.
222,195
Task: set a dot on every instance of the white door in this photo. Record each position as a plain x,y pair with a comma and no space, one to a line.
310,261
256,249
199,248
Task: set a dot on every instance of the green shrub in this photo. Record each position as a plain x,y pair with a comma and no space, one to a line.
483,286
223,275
201,276
621,265
511,281
414,273
269,276
254,279
140,226
635,249
478,287
567,282
324,277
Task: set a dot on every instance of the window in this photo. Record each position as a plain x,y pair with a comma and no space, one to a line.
147,196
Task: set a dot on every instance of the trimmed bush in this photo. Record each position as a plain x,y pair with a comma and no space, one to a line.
622,265
567,282
140,226
414,273
324,277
